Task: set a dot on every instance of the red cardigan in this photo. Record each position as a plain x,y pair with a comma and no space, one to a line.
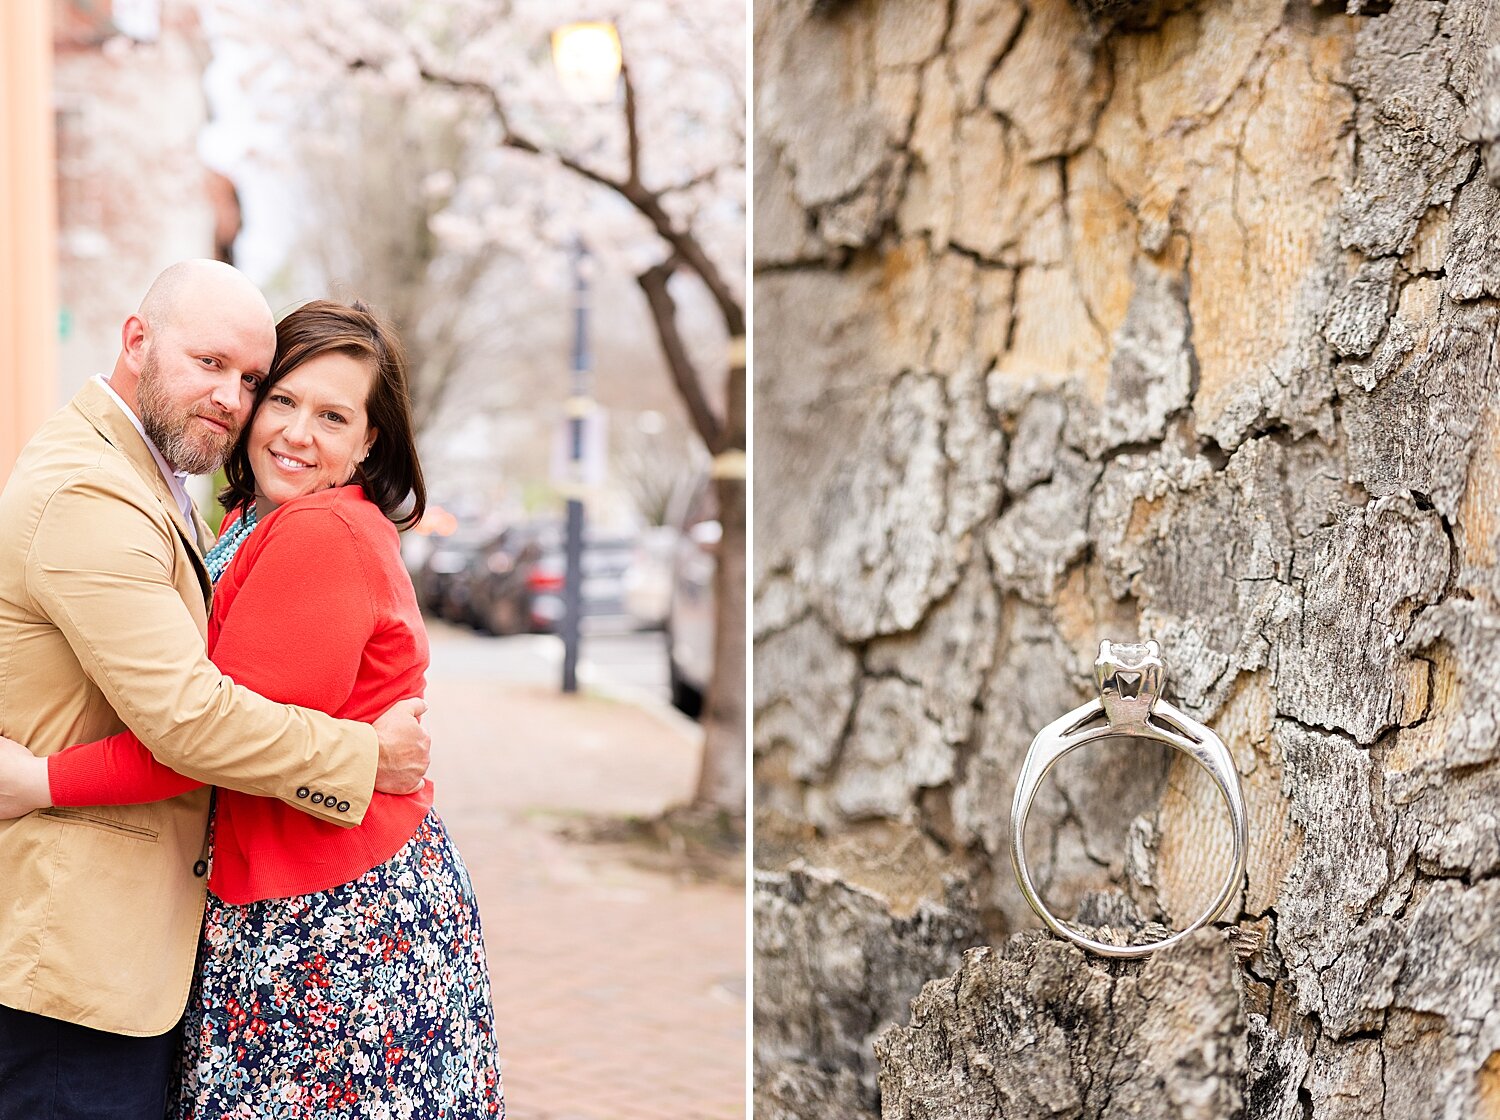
315,610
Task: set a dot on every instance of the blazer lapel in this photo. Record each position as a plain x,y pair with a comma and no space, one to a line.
205,534
111,422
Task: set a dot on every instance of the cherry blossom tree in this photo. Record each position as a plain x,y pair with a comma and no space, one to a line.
653,184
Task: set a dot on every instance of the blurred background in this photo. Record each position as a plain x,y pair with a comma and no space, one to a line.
549,202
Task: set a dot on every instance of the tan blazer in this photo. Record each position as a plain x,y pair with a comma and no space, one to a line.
103,616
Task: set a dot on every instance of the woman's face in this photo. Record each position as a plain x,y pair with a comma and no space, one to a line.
311,431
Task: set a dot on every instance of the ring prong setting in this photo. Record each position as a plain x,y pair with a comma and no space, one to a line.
1129,676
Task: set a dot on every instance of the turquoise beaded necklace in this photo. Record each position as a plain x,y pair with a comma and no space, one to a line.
222,553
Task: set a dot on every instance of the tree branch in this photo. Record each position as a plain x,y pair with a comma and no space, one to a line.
646,202
653,283
688,184
632,127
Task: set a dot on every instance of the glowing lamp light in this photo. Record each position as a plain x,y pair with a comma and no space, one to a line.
587,58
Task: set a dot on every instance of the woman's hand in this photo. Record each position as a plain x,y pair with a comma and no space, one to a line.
23,780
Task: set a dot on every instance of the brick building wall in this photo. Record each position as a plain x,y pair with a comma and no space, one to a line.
132,193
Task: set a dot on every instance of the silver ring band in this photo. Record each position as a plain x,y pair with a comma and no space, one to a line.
1129,704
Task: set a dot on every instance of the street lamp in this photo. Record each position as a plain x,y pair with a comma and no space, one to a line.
588,60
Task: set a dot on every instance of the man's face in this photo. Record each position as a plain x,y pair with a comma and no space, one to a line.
195,393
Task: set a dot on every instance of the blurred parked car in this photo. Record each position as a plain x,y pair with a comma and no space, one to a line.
502,578
604,561
648,579
438,580
512,581
690,612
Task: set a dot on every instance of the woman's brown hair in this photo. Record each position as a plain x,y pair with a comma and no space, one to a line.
391,474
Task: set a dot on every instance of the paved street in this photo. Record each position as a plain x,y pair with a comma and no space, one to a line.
619,991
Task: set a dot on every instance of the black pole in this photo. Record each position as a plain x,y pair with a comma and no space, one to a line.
577,407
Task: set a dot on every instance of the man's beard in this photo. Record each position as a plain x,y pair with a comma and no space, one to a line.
185,445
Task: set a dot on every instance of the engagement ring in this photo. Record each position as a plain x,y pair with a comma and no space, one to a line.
1130,678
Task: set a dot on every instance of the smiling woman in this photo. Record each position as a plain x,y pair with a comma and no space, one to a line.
320,432
311,431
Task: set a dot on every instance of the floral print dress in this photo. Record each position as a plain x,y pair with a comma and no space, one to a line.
370,1001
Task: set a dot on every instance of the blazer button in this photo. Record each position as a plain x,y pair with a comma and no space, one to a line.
302,792
342,806
200,869
317,799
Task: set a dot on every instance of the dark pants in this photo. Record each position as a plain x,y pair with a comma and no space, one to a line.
51,1070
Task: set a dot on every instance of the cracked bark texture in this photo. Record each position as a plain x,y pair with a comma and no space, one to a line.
1097,318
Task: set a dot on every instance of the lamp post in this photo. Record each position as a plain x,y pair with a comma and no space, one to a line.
587,58
580,404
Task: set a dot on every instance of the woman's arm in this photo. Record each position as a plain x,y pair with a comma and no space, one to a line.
118,770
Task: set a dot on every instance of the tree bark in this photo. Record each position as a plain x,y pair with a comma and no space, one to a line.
818,940
1173,320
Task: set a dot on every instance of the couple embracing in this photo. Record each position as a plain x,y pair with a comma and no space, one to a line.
223,890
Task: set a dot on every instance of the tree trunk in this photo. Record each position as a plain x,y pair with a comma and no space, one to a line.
1173,320
721,781
721,784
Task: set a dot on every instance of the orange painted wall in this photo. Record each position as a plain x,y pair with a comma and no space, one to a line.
28,225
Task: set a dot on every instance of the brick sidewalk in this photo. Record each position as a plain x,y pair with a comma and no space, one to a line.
619,991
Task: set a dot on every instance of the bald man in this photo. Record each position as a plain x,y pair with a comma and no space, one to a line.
103,615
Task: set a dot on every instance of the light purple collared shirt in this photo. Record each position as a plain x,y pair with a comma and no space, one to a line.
176,480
